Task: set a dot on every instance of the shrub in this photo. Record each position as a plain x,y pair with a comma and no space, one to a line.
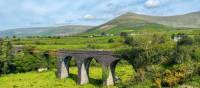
130,41
124,34
111,40
185,41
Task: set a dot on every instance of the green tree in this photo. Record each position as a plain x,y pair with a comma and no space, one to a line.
124,34
185,41
1,46
10,56
103,33
111,40
130,41
181,54
197,39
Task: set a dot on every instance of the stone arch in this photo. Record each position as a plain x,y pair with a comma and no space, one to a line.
108,63
89,66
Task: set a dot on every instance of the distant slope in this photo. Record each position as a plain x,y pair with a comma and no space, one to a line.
46,31
191,20
133,22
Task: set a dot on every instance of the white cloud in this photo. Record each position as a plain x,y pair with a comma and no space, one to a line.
89,17
152,3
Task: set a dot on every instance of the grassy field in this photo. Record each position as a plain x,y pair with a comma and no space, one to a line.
71,43
48,79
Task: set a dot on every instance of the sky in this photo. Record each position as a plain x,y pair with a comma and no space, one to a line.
39,13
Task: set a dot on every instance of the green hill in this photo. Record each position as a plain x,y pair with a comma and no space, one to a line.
46,31
125,24
131,22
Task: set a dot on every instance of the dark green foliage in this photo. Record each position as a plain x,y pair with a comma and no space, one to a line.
103,33
185,41
123,34
196,54
173,36
14,37
197,39
24,61
1,46
111,40
158,39
130,41
181,54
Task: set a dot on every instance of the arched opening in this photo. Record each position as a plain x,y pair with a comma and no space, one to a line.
124,73
95,72
67,68
73,69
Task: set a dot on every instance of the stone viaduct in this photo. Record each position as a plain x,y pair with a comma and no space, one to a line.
107,59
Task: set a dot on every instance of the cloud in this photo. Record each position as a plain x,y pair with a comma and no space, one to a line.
89,17
152,3
20,13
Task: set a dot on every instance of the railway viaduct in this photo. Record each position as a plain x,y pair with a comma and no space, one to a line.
107,59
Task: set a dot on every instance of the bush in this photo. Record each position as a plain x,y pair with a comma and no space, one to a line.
197,39
130,41
181,54
111,40
185,41
124,34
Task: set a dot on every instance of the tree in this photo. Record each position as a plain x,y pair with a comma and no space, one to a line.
14,37
123,34
185,41
10,56
103,33
130,41
181,54
111,40
1,46
158,39
197,39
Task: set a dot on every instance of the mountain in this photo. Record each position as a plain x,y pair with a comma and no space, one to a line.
128,22
46,31
191,20
131,22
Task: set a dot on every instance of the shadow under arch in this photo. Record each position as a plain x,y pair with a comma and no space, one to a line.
72,68
94,67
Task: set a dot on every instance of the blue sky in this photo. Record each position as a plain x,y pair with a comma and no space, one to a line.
33,13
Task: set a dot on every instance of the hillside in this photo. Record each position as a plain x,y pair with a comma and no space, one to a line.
46,31
133,22
191,20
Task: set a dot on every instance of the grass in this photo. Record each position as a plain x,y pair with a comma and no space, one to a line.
71,43
48,79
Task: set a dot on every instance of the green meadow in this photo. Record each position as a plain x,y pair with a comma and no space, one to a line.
48,79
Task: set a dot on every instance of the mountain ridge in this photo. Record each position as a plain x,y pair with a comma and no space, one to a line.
127,21
46,31
190,20
132,21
